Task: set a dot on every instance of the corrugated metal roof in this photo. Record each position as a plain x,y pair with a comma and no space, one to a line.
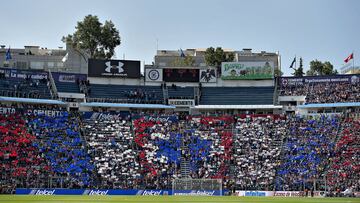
120,105
329,105
237,107
28,100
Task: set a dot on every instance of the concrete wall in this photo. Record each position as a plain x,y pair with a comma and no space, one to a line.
45,59
76,63
22,60
116,81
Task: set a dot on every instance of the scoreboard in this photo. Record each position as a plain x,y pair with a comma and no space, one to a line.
180,75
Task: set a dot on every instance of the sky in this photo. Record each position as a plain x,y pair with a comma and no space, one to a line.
326,30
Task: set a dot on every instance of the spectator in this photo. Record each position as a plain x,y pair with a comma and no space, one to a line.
307,150
111,147
324,92
257,151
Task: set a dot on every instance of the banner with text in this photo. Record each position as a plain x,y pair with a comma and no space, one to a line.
297,194
182,102
114,68
157,118
99,192
11,110
199,192
106,115
23,74
289,81
247,70
68,77
245,193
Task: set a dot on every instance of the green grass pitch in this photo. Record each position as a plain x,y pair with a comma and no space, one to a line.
156,199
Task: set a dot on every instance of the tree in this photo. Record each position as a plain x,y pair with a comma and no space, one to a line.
93,39
328,69
186,61
278,72
320,68
214,57
299,72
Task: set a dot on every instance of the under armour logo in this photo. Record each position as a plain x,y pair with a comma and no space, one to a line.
112,68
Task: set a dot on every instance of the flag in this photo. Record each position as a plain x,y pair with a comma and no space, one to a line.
65,58
351,56
182,53
292,63
8,55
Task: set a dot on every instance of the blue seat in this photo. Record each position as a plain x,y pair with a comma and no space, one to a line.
237,95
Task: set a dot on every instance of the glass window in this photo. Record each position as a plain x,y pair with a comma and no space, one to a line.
60,64
51,64
36,65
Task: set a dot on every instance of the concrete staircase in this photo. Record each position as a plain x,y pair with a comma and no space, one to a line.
165,94
185,163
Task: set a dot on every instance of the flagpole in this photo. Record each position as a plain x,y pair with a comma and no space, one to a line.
353,62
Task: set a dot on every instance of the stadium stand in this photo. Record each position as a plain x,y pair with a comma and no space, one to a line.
26,88
58,138
249,152
257,147
126,94
236,95
307,149
176,92
70,82
111,146
159,155
323,92
208,147
345,167
145,147
149,150
67,87
22,165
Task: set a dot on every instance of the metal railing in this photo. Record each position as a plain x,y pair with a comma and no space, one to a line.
53,89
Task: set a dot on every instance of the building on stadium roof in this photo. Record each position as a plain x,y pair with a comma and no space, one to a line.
248,69
43,58
350,69
166,58
245,84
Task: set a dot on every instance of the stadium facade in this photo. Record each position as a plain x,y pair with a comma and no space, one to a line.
100,126
41,58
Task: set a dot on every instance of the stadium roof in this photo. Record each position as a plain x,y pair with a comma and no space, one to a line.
28,100
329,105
237,107
120,105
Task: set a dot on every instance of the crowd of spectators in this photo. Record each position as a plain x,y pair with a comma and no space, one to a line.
307,149
111,146
146,151
345,169
139,96
324,92
21,164
26,88
257,147
58,138
209,142
84,86
158,143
